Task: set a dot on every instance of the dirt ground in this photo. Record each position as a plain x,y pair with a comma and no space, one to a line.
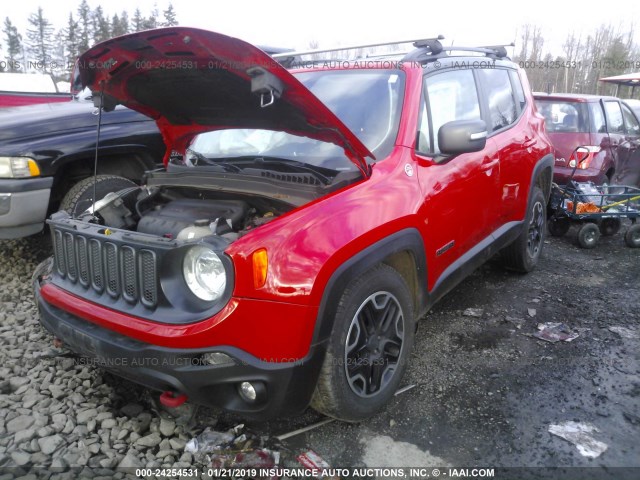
484,391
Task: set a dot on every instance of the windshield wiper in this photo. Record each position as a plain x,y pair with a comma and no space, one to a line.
202,161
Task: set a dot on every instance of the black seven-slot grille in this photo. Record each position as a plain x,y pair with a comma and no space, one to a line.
120,271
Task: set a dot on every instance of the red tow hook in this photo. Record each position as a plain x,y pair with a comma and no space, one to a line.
172,399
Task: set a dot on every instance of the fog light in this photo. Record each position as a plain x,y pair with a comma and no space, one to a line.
248,391
216,358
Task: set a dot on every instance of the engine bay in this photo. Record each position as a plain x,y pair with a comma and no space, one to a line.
182,214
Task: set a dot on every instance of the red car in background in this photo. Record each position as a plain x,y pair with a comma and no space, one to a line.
605,125
19,89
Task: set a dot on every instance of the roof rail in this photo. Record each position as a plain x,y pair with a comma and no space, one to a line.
417,42
424,53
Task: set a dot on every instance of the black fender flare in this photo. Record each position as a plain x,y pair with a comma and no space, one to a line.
408,239
548,161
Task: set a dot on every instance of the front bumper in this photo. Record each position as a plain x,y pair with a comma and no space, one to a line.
288,386
23,206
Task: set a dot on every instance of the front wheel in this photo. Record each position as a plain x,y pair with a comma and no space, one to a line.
588,235
80,198
524,253
373,333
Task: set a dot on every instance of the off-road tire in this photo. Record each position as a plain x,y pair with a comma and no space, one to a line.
78,198
336,393
559,226
610,226
632,236
588,235
523,254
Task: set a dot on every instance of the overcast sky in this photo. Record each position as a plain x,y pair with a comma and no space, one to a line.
344,22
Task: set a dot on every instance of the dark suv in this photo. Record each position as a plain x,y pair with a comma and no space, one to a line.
305,221
605,126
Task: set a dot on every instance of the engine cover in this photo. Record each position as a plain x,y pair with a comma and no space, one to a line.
171,218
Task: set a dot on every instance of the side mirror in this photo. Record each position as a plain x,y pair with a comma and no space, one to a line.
462,136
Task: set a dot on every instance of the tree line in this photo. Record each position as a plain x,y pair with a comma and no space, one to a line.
608,51
45,49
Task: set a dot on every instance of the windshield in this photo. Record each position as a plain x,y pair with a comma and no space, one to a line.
367,102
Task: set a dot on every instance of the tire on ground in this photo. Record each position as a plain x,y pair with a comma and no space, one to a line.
523,254
79,197
369,347
632,236
588,235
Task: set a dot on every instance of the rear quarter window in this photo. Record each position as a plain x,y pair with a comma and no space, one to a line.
564,117
614,117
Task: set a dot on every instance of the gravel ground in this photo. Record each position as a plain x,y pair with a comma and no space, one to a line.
485,391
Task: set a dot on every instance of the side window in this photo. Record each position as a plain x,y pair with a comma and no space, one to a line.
597,116
630,121
502,105
451,96
614,117
517,89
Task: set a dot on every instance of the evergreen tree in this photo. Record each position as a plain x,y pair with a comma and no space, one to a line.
138,21
40,39
169,17
124,21
71,40
85,33
152,21
117,28
101,30
13,45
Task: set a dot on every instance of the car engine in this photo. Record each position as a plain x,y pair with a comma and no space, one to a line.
176,214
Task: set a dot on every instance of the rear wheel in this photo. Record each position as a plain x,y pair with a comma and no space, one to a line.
80,197
523,254
588,235
373,333
559,226
610,226
632,236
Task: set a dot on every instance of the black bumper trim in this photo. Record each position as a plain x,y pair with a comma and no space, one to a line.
289,385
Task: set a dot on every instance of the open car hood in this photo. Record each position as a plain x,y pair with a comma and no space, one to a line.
191,81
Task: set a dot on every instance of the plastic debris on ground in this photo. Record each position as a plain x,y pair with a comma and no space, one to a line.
234,448
312,461
579,434
404,389
473,312
555,332
624,332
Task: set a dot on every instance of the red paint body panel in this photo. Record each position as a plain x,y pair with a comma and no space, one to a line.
19,99
243,323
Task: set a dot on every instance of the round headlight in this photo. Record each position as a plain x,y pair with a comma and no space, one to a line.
204,273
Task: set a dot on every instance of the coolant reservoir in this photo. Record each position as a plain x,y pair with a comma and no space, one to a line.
199,229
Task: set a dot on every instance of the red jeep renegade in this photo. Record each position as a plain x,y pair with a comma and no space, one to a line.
307,217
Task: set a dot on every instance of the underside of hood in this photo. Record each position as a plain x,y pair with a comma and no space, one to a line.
191,81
